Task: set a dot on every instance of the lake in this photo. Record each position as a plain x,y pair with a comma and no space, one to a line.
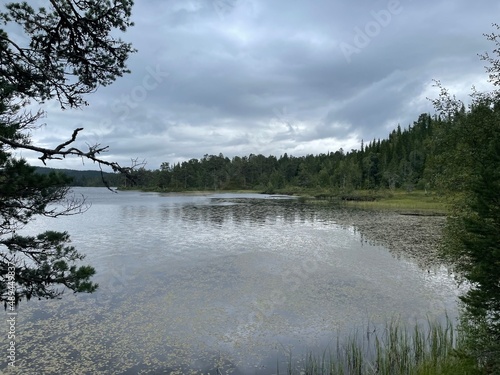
221,283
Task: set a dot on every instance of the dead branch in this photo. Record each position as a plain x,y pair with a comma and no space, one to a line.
60,152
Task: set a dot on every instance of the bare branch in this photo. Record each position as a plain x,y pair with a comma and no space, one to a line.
60,152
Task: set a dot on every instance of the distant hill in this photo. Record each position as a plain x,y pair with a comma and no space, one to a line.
85,178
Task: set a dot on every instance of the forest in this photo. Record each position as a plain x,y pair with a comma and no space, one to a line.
409,158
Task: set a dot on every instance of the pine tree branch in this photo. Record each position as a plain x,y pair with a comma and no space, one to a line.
61,152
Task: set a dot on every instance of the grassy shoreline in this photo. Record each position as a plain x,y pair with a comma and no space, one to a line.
417,202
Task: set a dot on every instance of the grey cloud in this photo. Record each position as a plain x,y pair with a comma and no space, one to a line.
227,69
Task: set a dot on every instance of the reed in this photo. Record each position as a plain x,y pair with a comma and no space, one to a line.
393,349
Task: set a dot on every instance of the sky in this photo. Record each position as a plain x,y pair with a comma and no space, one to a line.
269,77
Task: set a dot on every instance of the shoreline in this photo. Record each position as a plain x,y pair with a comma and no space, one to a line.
417,202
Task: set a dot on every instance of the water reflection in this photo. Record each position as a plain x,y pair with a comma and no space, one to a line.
220,282
254,212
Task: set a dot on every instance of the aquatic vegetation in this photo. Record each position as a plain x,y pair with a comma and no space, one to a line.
432,347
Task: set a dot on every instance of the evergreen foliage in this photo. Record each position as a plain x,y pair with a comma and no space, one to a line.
472,242
403,160
69,51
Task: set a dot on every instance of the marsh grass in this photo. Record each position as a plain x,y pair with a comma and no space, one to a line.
417,202
393,349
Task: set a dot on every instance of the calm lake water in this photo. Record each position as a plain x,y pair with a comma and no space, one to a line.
223,283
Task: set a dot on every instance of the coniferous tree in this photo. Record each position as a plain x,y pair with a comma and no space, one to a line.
472,168
70,51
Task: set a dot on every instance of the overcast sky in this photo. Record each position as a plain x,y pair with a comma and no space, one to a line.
274,76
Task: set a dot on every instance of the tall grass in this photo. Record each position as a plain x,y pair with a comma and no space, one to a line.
393,349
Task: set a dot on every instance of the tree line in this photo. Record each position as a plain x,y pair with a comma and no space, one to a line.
408,158
87,178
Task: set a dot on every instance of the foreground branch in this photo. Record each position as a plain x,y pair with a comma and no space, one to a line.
60,152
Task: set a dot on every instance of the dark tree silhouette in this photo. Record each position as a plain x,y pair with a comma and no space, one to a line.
68,50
